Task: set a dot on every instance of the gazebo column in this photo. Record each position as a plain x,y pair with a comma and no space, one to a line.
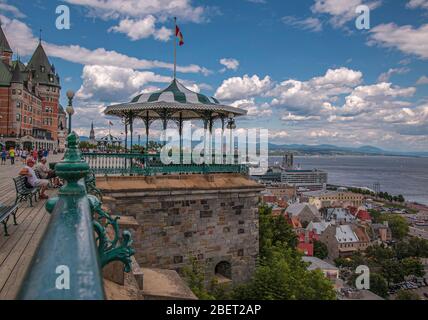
210,139
222,138
147,124
180,133
205,138
126,133
164,124
131,128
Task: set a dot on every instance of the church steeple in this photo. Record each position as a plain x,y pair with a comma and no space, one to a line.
92,133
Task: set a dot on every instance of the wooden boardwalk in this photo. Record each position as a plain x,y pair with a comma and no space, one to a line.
17,250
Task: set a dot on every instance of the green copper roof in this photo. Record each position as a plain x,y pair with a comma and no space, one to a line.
176,93
43,73
5,74
178,102
4,45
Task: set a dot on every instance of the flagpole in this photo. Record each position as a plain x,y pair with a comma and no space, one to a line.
175,47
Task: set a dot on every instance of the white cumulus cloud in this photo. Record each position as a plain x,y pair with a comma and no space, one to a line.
236,88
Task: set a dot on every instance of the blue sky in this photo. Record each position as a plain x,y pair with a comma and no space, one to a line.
301,68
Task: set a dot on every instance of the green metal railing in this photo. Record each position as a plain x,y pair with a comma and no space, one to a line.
151,164
68,262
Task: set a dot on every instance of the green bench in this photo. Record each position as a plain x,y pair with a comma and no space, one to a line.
5,213
23,193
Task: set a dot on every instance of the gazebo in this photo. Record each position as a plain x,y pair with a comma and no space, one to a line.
109,140
178,104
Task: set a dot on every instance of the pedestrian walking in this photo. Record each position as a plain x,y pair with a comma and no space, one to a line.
3,156
12,156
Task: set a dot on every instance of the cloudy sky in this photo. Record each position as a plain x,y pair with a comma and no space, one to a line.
301,68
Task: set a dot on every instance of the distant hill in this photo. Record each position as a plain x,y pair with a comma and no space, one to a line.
327,149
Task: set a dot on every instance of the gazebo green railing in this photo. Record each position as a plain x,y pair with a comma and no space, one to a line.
151,164
76,245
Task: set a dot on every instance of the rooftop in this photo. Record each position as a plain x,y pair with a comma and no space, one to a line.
317,263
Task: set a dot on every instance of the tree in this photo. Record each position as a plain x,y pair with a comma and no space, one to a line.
283,276
406,295
86,145
375,214
379,253
399,226
378,285
320,250
412,267
392,271
274,231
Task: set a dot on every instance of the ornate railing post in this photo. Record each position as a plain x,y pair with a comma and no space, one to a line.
66,264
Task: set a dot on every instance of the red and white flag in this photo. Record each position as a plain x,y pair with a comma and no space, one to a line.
179,35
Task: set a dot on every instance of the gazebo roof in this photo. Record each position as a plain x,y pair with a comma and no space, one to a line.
109,139
176,99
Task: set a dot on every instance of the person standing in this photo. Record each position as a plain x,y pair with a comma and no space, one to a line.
24,155
12,156
3,156
34,155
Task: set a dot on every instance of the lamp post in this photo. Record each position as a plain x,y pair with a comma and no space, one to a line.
69,109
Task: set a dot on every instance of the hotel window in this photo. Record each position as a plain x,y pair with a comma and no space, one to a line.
19,91
13,91
42,68
30,120
18,117
18,104
51,79
25,119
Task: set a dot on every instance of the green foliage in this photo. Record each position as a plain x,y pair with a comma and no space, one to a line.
412,267
351,262
398,224
413,247
274,231
194,276
86,145
407,295
388,262
283,276
375,214
378,285
320,249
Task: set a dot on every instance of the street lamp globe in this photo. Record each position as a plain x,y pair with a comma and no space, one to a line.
69,110
70,94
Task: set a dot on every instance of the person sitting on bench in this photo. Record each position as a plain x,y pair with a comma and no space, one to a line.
46,173
34,181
